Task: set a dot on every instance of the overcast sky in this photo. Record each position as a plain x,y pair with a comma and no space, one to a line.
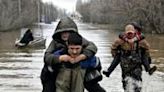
69,5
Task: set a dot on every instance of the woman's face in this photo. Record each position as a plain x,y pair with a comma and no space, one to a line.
64,36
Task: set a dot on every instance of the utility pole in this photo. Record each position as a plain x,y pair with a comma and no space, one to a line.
19,7
38,11
39,25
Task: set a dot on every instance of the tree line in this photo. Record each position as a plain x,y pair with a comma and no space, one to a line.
149,13
19,13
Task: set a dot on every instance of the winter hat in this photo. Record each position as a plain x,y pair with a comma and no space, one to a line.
129,29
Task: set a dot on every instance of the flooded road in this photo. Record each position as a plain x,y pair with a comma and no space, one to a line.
20,68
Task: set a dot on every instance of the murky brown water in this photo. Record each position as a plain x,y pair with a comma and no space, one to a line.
20,68
157,50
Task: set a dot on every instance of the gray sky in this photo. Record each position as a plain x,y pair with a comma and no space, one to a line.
69,5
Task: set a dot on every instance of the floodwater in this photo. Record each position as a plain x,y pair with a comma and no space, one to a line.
20,68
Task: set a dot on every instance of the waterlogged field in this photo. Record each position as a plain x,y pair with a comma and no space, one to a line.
20,68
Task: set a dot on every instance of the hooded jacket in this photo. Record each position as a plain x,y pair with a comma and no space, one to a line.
66,24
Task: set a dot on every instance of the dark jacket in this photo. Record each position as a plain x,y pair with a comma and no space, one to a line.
27,37
118,48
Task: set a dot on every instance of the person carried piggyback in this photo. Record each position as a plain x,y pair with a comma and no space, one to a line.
131,53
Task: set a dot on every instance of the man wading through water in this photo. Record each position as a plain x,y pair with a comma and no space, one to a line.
146,59
51,62
129,56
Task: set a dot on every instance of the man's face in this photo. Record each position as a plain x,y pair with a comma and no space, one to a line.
74,50
64,36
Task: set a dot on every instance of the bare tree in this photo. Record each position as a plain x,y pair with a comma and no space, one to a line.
149,13
18,13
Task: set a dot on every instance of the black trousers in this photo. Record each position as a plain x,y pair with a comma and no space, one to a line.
48,80
49,86
93,87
